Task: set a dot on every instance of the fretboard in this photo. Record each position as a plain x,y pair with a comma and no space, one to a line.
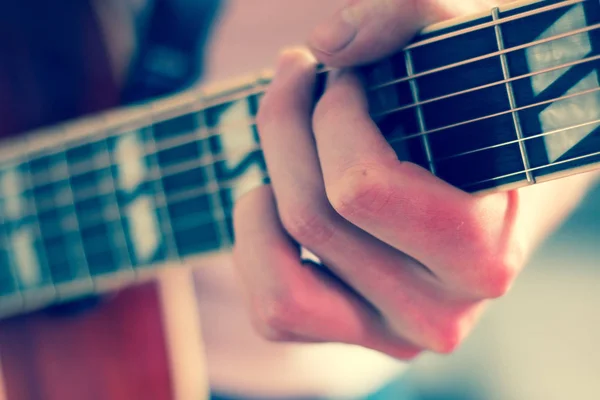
495,102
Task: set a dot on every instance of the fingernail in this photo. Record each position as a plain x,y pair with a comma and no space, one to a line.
282,65
336,34
287,61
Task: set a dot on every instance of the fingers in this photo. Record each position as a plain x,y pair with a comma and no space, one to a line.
339,190
290,301
397,286
365,30
292,159
461,238
285,132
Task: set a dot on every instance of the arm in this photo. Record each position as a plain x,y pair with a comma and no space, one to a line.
415,259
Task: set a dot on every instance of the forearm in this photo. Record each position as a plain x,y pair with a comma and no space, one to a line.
545,206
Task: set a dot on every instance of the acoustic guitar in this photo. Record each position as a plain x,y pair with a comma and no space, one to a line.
101,205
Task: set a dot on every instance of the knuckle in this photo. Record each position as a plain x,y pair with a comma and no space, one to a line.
277,317
496,272
445,338
498,278
432,330
497,265
307,226
360,191
270,334
446,343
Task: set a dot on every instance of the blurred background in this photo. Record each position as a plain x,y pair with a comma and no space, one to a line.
541,342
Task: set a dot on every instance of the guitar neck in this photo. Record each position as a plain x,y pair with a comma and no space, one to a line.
495,102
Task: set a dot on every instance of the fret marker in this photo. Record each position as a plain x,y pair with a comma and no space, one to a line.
578,109
139,212
130,157
11,188
22,250
29,269
143,228
238,142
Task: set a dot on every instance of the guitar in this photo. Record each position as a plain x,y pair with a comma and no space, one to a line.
493,102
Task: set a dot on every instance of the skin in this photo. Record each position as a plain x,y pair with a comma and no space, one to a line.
411,262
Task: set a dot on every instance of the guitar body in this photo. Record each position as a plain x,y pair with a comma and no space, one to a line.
113,350
114,346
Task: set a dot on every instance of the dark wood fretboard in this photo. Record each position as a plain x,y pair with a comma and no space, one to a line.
495,102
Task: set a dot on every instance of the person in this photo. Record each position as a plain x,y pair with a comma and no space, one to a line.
409,263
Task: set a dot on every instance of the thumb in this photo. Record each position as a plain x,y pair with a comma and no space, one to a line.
366,30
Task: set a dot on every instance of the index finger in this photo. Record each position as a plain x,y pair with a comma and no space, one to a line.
463,239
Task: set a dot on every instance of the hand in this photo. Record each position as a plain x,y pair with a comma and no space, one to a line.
410,260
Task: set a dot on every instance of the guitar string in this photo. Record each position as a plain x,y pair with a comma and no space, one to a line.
533,169
91,166
430,132
91,192
99,219
521,15
217,131
474,60
198,219
209,133
224,99
521,140
407,137
204,219
504,20
513,79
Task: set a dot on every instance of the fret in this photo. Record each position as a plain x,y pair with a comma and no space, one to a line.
240,160
492,168
439,32
119,233
183,168
54,240
136,190
9,286
47,292
160,198
414,89
572,111
511,97
470,111
25,248
100,219
580,165
217,205
80,280
394,126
